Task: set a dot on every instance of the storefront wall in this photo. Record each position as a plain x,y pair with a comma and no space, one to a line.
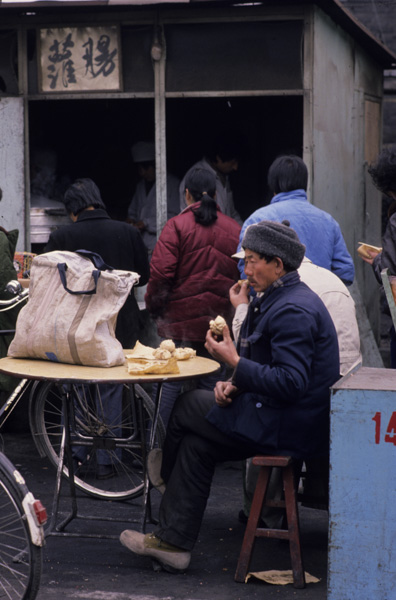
232,69
346,116
12,173
290,79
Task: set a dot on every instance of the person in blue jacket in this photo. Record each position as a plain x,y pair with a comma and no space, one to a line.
276,402
316,229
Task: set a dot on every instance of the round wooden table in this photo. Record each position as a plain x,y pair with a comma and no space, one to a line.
30,368
41,370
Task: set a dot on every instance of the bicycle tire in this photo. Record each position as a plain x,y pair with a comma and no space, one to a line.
46,422
20,559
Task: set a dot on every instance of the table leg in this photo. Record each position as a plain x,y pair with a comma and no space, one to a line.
65,449
146,489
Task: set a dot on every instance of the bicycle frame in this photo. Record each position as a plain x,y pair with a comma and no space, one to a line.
21,295
21,535
23,517
13,399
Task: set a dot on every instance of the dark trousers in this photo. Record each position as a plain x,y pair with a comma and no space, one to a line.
171,390
191,450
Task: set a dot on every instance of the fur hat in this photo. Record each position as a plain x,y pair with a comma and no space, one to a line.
274,239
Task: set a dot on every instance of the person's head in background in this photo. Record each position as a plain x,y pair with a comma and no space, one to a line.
287,173
225,152
82,195
383,172
143,155
201,187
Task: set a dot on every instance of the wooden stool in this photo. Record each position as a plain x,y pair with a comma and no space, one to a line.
290,503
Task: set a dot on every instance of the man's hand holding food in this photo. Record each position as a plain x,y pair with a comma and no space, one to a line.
222,348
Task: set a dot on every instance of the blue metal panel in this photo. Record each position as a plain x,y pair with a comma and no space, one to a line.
362,536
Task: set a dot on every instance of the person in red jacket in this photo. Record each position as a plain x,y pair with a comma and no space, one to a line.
191,272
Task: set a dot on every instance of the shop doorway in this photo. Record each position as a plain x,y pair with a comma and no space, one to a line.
93,138
266,127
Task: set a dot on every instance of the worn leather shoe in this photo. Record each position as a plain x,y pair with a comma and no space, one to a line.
171,558
154,464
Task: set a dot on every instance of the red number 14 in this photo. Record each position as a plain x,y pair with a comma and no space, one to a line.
390,435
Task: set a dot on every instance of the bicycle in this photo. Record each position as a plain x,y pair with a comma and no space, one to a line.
91,428
124,438
22,520
22,523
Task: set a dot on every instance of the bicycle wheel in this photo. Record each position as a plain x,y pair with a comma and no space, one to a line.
20,559
100,435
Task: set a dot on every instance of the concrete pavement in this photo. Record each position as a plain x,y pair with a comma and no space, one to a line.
93,569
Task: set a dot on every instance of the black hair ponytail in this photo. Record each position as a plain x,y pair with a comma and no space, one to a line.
201,184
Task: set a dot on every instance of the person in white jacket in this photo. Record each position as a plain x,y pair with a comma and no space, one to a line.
142,211
341,306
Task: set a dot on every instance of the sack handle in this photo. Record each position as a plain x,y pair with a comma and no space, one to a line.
62,268
96,259
98,263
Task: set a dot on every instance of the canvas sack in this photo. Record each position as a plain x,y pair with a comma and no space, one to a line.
71,315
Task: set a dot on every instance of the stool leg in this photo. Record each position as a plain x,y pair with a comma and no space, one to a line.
250,531
293,528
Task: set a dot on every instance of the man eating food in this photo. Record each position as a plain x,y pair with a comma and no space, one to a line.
276,402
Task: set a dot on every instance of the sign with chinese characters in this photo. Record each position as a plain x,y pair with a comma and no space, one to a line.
75,59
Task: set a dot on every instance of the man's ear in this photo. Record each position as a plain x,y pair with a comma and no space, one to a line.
278,264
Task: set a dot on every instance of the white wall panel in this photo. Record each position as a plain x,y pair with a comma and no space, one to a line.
12,206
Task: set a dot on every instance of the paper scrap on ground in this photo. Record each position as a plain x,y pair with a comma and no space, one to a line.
279,577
